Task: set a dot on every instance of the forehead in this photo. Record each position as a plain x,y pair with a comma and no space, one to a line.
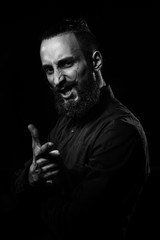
59,46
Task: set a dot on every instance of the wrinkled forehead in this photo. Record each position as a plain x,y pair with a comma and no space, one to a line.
58,46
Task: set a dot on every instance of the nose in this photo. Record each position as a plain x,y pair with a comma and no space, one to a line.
59,78
56,79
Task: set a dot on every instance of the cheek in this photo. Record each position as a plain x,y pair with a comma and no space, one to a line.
78,73
71,74
49,79
83,72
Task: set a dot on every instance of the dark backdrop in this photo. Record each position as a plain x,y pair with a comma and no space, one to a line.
126,42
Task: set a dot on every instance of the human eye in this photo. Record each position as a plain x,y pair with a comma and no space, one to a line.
69,63
48,69
66,63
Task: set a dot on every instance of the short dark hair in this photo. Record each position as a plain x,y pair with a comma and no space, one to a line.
86,38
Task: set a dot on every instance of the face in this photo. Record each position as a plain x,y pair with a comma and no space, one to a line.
69,74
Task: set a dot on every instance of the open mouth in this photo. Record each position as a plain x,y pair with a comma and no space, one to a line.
67,92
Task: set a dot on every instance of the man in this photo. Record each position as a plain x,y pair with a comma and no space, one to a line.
85,180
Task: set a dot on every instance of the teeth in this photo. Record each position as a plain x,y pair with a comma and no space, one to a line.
67,94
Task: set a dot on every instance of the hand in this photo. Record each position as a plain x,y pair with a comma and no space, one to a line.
45,164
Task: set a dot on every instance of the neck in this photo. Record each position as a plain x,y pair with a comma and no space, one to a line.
98,76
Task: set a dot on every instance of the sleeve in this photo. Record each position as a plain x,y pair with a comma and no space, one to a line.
110,184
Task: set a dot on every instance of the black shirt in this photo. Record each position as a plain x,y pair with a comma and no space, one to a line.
106,163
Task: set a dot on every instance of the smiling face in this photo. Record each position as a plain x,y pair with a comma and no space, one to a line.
69,74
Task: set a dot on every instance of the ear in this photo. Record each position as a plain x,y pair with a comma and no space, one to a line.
97,60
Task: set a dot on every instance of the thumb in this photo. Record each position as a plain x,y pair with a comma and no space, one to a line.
35,137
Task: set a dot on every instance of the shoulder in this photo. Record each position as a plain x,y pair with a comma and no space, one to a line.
120,128
119,131
118,118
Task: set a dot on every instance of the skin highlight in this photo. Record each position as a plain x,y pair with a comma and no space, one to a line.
68,72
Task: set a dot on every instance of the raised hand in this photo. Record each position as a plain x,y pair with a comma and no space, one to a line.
45,164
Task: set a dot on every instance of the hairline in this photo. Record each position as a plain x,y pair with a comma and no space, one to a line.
81,45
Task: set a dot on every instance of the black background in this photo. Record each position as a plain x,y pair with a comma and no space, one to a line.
126,38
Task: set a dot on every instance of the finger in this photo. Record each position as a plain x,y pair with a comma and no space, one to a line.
45,147
49,167
49,181
51,174
35,135
54,153
41,161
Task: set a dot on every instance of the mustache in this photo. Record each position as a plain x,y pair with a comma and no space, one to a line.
66,84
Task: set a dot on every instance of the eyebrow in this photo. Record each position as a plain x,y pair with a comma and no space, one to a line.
60,62
65,59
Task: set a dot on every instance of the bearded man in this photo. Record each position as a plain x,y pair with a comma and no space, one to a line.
84,182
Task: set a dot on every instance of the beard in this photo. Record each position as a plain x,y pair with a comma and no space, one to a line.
88,95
